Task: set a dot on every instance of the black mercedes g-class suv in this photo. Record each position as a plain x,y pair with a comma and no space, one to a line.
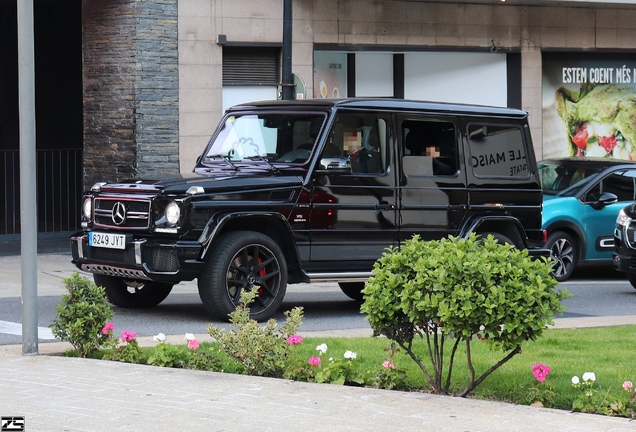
289,192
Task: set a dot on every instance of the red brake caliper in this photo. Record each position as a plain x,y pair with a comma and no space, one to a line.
262,272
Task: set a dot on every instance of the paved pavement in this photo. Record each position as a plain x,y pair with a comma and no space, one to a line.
55,393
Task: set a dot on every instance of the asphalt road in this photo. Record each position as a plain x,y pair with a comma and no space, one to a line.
598,291
325,307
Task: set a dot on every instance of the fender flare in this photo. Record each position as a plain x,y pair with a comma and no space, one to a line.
565,225
473,225
219,221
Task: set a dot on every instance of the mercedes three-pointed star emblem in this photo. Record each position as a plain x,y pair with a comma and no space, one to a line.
119,213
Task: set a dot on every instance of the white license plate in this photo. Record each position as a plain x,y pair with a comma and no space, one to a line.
107,240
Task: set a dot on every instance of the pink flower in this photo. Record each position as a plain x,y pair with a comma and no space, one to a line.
388,365
108,328
128,335
294,340
314,361
193,344
627,385
540,371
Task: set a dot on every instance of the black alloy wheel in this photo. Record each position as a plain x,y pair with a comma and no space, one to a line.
244,260
133,294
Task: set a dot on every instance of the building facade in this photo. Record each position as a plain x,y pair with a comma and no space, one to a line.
156,75
155,91
498,49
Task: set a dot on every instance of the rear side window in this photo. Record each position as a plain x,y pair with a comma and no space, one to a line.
497,151
429,148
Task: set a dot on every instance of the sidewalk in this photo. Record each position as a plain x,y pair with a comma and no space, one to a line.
55,393
69,394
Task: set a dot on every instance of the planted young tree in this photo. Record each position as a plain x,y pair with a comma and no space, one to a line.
82,315
454,291
260,350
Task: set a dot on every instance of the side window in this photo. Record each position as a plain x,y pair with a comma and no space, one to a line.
429,148
362,139
620,184
497,151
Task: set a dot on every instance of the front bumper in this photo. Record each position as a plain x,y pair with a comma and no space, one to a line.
624,260
142,258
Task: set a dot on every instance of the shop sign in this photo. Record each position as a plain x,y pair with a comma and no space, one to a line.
589,105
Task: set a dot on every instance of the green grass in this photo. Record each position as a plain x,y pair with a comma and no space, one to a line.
608,352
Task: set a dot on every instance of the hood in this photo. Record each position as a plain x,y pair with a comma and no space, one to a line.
178,184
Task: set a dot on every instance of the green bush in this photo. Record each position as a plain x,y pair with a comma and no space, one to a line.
460,289
82,315
259,350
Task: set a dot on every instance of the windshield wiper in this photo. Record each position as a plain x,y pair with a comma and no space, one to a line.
264,159
225,158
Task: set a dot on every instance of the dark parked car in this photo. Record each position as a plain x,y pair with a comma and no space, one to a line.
581,199
314,190
624,256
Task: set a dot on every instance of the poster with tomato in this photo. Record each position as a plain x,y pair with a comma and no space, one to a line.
330,74
589,105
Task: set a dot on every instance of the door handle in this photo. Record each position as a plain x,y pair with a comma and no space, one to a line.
383,205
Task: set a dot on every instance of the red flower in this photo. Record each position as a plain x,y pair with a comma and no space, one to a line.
540,371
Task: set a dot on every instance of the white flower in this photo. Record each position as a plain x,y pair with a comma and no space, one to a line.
575,380
330,359
160,337
350,355
189,336
322,348
589,376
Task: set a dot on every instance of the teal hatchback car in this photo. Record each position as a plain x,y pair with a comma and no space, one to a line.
581,200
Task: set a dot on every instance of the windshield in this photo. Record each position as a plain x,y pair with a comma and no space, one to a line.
269,137
565,179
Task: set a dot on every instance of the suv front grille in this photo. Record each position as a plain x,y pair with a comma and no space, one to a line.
117,256
135,213
161,260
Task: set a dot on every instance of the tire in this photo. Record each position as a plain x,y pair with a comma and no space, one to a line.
131,293
353,290
631,277
563,251
229,271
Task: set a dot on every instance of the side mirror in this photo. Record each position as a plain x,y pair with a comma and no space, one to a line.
605,199
334,165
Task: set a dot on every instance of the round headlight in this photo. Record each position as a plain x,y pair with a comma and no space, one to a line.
173,213
87,208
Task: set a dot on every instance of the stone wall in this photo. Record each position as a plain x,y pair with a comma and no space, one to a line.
130,89
157,88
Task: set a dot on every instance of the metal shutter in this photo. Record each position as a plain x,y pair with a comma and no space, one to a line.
250,66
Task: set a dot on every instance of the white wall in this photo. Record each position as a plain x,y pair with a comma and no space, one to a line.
234,95
374,74
474,78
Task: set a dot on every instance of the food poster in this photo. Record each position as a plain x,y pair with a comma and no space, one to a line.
330,74
589,105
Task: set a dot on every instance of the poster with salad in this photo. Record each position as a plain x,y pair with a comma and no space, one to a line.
589,105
